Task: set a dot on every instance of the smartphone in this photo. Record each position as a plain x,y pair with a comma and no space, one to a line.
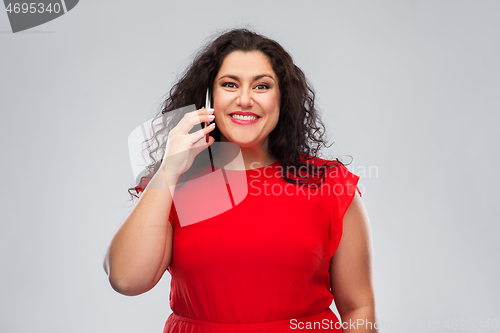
208,105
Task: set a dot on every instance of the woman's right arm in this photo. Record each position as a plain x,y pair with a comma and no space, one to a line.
141,249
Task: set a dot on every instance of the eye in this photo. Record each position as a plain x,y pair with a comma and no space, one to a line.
229,84
262,86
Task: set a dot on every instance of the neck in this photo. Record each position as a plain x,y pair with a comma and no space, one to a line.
256,158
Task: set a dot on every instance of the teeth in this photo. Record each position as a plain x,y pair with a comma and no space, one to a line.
238,116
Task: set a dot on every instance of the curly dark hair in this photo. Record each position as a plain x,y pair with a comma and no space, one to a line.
299,135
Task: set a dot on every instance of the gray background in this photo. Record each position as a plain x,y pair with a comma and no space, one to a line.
409,88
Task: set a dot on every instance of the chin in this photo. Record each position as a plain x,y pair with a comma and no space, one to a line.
245,140
245,143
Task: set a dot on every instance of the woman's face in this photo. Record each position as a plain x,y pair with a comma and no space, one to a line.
246,99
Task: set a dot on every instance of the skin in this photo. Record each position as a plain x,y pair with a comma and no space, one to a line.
138,254
350,269
246,82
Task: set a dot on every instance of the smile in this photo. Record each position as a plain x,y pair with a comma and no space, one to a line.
243,119
239,116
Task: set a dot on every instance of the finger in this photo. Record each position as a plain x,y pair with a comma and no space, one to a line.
201,145
203,110
194,118
200,134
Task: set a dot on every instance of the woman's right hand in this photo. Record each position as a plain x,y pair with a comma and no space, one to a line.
183,147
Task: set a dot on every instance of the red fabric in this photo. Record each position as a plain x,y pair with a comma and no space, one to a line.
263,263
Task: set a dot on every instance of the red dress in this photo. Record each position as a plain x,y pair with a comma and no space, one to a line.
263,265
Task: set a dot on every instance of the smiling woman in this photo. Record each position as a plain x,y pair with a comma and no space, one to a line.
274,259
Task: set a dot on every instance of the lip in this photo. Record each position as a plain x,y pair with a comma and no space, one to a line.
244,122
245,113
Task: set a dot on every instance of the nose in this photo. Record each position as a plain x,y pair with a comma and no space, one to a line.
244,99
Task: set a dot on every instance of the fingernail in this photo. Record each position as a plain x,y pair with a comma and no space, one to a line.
212,124
211,116
210,110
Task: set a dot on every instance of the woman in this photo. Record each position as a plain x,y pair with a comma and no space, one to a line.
274,260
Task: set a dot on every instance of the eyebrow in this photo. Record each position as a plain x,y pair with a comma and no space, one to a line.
258,77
